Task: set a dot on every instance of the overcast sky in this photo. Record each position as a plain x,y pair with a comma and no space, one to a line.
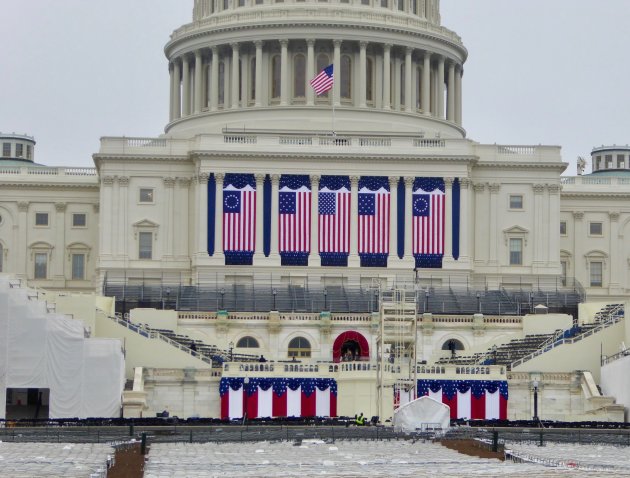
539,72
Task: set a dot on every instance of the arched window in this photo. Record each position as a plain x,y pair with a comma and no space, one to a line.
247,343
299,76
221,83
252,80
299,347
418,86
369,80
346,77
452,345
275,76
240,83
322,62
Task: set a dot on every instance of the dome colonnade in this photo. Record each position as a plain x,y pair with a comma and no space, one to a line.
413,69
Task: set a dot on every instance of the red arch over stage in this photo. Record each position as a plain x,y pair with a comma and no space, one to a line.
354,336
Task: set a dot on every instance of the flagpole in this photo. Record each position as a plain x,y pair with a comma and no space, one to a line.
333,102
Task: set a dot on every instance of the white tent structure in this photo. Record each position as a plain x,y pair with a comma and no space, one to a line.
44,350
422,413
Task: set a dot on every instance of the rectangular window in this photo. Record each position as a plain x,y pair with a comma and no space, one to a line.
41,219
609,161
563,228
29,151
596,274
6,150
516,252
563,277
78,266
19,150
516,201
79,220
41,265
595,228
620,161
145,245
146,195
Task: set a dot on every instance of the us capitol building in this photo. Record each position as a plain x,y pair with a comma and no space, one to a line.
269,220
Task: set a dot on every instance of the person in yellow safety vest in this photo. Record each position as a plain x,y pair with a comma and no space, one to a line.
360,420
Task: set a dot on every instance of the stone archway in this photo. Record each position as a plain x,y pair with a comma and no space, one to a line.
353,343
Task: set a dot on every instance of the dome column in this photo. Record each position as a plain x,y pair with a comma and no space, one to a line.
259,68
214,82
171,74
177,90
450,111
458,95
408,66
426,84
284,72
235,75
386,76
186,86
440,88
337,72
198,81
310,70
362,72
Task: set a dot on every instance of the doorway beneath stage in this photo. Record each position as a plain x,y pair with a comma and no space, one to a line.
27,403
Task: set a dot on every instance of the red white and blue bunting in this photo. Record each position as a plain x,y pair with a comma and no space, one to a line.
278,397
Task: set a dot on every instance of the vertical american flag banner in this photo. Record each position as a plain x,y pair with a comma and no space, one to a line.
428,206
334,220
469,399
239,218
294,220
373,227
278,397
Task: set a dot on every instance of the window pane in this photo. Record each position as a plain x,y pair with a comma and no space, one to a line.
247,343
275,77
19,150
41,219
516,252
596,274
146,195
41,265
6,150
78,266
563,228
299,76
369,88
145,242
596,228
79,220
346,77
516,202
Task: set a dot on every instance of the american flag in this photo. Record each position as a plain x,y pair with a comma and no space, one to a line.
295,214
323,81
374,216
239,213
428,216
334,214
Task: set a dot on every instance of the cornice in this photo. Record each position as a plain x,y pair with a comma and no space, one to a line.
134,157
595,194
52,186
516,165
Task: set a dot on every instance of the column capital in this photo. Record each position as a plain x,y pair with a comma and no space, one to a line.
310,42
409,181
554,188
409,50
60,206
464,183
393,181
538,188
235,45
123,181
260,177
198,54
315,179
214,50
448,183
22,206
203,178
614,216
284,43
336,43
387,46
169,182
183,182
218,177
479,187
363,44
578,215
354,181
441,59
275,179
428,55
494,188
96,207
258,43
107,180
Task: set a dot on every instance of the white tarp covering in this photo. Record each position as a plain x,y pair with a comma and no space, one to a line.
422,413
42,350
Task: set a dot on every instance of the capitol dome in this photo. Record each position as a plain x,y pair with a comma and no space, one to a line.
247,64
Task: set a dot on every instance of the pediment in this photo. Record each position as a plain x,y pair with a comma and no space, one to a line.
145,223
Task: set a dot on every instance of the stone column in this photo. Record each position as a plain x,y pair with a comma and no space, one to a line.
494,230
245,65
615,280
465,238
408,66
202,215
170,217
387,76
58,253
458,95
186,85
426,84
353,259
538,258
259,69
313,259
274,249
310,70
362,78
284,72
450,112
181,220
440,88
171,74
580,273
123,210
198,81
553,224
393,218
21,246
260,249
481,224
235,75
448,219
177,91
337,72
214,82
105,233
408,217
218,216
